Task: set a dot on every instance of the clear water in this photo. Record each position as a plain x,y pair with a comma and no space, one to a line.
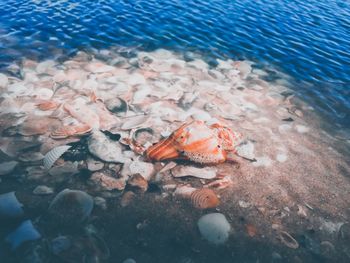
308,40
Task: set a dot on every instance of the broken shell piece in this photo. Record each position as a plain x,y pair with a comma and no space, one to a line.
9,206
117,106
71,206
108,182
48,105
221,183
288,240
204,173
167,167
184,191
52,156
138,183
25,232
204,198
246,150
105,149
146,170
135,122
72,130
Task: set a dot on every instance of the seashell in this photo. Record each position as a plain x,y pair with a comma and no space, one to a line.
48,105
31,157
142,135
204,173
83,113
3,81
9,206
135,122
146,170
167,167
105,149
71,130
25,232
7,167
188,99
204,198
118,106
71,206
221,183
214,228
43,190
52,156
288,240
184,191
246,150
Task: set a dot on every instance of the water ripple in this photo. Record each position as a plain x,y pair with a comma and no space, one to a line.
309,40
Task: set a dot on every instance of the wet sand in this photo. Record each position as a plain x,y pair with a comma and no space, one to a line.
297,183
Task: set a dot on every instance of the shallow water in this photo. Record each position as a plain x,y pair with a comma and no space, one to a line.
308,40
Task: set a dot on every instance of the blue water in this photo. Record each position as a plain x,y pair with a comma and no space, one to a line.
308,40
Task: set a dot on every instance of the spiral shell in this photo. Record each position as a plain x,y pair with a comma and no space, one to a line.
204,198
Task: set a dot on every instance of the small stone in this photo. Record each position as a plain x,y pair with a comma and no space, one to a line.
214,228
43,190
302,129
146,170
100,202
108,182
243,204
281,157
138,182
7,167
66,169
129,260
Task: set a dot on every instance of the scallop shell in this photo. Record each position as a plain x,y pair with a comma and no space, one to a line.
135,122
288,240
204,199
52,156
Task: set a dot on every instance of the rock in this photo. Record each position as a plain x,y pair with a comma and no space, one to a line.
7,167
204,173
94,165
105,149
117,106
3,81
100,202
108,182
138,182
327,250
9,206
71,207
66,169
31,157
25,232
43,190
214,228
246,150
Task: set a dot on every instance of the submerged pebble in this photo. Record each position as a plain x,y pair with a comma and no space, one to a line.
9,206
71,206
214,228
43,190
7,167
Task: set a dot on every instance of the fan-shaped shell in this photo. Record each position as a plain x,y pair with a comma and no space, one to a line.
52,156
204,199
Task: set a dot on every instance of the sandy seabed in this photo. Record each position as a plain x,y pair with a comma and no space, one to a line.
291,176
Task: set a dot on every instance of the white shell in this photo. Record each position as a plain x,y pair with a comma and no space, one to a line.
25,232
246,150
214,228
9,206
135,122
52,156
204,173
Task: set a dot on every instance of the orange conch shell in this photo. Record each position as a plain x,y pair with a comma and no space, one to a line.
195,141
